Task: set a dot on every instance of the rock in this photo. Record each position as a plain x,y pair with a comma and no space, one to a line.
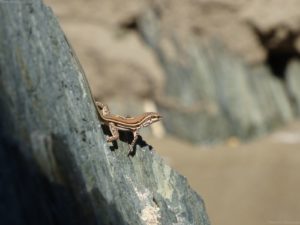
55,166
271,97
293,84
266,19
217,95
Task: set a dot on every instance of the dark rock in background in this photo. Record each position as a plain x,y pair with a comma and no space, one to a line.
55,167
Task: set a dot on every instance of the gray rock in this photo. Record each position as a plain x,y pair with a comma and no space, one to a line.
55,166
272,98
293,84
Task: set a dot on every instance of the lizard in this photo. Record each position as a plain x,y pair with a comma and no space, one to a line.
133,124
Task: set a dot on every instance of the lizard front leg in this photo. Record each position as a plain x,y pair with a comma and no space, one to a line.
114,132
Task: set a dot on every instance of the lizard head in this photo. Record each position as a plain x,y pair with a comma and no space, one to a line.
151,117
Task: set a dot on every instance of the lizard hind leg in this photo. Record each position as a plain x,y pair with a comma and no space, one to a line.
114,132
135,137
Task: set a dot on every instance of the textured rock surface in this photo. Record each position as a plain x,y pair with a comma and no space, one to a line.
55,165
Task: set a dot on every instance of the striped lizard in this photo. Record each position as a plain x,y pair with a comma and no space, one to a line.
133,124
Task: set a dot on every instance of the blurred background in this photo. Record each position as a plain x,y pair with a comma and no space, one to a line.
225,74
